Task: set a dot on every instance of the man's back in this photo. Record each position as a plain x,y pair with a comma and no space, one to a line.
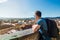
43,29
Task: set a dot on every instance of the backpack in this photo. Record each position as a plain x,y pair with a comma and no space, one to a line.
53,31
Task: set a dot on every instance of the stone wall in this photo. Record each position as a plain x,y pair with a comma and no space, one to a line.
34,36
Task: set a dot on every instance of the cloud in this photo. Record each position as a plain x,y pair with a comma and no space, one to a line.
2,1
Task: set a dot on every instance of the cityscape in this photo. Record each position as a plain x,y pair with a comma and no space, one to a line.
8,24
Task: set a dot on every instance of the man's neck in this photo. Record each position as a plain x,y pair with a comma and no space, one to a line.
37,19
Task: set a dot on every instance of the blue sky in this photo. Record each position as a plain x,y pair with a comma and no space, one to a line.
27,8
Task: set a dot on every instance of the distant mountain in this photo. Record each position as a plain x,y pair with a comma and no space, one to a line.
31,18
53,17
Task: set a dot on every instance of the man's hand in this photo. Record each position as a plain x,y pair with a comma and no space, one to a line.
35,27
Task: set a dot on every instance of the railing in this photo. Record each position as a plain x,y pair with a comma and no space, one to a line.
17,34
20,35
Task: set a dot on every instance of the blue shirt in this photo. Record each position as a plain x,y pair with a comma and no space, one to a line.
43,28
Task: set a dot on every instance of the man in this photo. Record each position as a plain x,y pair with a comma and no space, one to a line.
40,26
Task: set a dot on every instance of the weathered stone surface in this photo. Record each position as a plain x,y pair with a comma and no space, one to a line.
34,36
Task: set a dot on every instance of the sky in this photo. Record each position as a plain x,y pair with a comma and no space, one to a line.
27,8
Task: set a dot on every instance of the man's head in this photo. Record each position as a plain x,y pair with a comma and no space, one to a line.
38,14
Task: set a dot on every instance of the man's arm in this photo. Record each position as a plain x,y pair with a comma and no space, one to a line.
35,27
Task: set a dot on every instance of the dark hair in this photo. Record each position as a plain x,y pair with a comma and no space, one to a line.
38,13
